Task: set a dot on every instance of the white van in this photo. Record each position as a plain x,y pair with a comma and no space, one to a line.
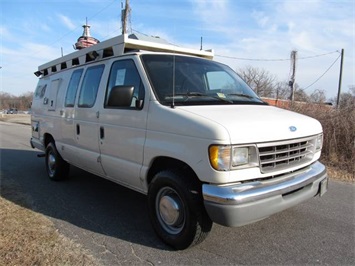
178,127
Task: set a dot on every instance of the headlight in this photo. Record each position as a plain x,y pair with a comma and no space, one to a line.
319,142
240,156
225,158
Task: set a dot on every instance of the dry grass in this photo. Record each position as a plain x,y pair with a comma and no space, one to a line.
338,152
336,173
24,119
28,238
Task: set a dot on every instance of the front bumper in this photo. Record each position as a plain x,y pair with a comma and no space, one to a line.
241,204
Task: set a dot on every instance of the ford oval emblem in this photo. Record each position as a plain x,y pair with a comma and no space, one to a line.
292,128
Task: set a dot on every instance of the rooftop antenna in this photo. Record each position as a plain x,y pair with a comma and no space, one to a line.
201,44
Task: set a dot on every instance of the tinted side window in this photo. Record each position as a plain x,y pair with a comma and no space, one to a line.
72,88
125,73
90,86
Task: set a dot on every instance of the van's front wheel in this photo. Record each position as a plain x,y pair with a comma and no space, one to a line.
57,168
176,209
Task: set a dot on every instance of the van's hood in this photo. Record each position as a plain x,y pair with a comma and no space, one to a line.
256,123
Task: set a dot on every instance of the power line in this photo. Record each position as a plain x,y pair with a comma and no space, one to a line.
314,56
288,59
250,59
280,59
323,73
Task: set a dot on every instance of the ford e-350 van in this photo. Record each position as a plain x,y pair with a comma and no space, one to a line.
178,127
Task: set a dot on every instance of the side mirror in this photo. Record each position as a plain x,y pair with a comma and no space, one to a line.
120,96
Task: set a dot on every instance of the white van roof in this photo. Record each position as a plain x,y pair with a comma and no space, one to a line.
117,46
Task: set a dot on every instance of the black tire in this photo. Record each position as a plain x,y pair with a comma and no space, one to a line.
176,209
57,168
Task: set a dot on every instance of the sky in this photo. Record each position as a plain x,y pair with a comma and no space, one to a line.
242,33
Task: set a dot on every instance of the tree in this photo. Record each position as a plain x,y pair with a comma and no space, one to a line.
6,100
22,102
25,101
318,96
300,94
260,80
282,90
347,99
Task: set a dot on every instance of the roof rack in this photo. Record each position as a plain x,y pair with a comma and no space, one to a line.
114,47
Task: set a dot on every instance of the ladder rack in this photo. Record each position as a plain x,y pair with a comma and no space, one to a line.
115,46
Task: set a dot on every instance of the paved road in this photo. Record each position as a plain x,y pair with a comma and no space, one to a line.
112,221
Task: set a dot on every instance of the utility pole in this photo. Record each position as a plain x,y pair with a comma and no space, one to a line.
293,73
124,16
340,76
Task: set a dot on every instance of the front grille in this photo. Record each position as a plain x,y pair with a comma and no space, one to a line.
282,155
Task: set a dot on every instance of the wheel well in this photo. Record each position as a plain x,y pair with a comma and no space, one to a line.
162,163
47,138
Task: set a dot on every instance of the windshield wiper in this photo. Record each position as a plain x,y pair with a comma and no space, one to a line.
193,93
241,95
253,99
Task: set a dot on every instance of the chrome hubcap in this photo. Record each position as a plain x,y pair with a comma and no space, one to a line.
170,210
51,163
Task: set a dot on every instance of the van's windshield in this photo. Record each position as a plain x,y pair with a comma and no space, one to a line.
186,80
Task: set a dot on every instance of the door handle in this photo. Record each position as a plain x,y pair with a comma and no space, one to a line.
102,133
77,129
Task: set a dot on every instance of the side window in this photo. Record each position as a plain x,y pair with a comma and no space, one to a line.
125,73
90,86
72,88
40,91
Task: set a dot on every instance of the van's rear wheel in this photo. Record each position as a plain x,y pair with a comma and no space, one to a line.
57,168
176,209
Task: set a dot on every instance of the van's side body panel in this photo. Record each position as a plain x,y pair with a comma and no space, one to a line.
124,129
